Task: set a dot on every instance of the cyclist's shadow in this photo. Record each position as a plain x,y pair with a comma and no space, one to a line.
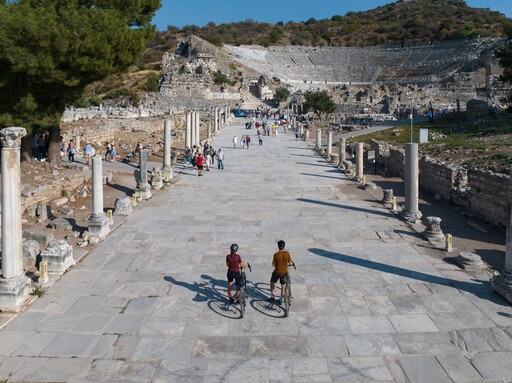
258,301
210,290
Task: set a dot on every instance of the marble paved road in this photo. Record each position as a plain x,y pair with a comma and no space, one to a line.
149,303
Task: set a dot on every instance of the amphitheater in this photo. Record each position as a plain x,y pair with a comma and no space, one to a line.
421,64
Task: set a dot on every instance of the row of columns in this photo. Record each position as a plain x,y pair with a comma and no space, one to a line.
221,119
14,284
500,283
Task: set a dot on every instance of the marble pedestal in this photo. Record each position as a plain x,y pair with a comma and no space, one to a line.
59,256
98,225
13,293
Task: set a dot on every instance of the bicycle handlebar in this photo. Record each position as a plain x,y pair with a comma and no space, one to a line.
249,266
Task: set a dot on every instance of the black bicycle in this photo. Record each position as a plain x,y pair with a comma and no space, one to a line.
243,289
288,293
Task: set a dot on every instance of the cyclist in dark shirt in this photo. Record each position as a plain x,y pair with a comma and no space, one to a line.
234,263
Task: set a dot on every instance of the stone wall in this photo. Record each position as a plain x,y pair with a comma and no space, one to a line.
489,195
482,192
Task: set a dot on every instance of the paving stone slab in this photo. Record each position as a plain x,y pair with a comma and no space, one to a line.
423,369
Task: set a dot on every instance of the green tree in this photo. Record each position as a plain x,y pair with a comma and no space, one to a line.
281,94
50,50
319,102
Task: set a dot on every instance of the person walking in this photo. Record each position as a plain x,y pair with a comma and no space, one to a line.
220,159
200,163
71,151
247,141
207,160
113,153
88,153
260,139
235,141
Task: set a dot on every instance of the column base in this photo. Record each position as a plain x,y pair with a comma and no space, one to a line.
98,226
144,192
167,174
502,284
412,216
59,256
14,293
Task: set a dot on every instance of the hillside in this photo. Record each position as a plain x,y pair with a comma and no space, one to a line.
401,22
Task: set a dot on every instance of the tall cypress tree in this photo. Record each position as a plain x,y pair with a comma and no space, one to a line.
50,50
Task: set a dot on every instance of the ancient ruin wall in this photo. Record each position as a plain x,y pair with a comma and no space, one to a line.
483,192
489,195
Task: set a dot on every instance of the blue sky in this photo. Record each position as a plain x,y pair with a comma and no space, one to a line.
200,12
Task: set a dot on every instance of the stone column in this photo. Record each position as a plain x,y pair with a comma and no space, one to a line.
192,129
329,147
226,116
306,135
216,121
198,124
359,160
343,150
208,131
502,283
166,168
188,130
411,212
143,188
301,129
98,221
14,284
318,144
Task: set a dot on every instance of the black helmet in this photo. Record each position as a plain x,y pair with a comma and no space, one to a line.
281,244
234,248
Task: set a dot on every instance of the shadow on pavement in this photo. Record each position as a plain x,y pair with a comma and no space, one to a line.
480,288
317,175
340,206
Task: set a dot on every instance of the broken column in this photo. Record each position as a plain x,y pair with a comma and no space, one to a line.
318,144
98,221
143,189
342,150
411,212
166,168
188,130
387,196
14,284
359,161
502,283
433,232
216,121
329,147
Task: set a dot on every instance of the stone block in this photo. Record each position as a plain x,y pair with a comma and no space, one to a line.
59,256
13,293
44,213
123,206
61,224
31,250
469,261
60,201
66,210
41,237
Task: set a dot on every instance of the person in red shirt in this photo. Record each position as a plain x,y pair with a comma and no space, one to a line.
200,163
234,263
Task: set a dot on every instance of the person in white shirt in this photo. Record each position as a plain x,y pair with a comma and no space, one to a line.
220,159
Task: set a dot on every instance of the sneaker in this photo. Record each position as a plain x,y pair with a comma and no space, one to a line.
271,299
280,300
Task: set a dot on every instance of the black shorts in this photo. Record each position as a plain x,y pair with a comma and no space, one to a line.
275,277
200,167
234,276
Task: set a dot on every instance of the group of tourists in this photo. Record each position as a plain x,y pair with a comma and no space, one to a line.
245,141
202,158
